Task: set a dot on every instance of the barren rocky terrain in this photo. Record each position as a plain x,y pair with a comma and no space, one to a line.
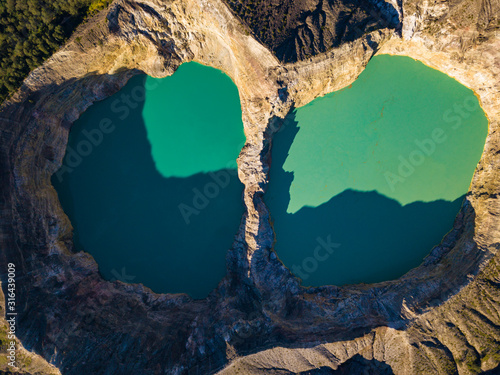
441,318
296,30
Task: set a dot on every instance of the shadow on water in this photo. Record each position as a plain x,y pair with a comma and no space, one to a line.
128,216
355,236
359,365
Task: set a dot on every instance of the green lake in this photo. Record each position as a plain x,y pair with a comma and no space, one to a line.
149,180
365,181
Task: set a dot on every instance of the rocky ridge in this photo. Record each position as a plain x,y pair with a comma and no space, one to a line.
442,317
296,30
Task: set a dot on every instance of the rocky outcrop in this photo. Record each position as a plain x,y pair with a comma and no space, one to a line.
442,317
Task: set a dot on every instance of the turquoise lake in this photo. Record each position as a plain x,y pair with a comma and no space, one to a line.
365,181
149,180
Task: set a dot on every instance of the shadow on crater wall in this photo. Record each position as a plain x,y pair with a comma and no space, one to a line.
362,366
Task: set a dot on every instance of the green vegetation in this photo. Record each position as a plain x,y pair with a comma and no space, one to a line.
97,5
31,30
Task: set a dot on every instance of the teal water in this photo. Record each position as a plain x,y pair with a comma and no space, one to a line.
149,180
366,180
